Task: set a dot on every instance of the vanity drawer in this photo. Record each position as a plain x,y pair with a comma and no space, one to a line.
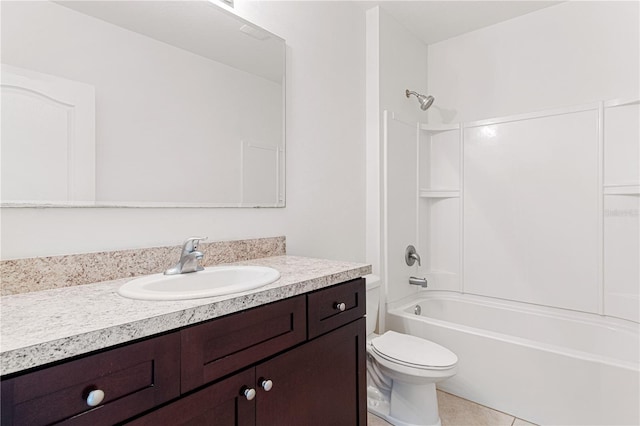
133,378
324,306
224,345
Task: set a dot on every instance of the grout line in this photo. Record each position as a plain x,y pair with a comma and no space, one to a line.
488,408
513,418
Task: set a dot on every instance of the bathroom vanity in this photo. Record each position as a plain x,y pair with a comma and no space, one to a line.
299,359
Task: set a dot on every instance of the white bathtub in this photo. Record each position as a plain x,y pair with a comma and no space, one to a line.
544,365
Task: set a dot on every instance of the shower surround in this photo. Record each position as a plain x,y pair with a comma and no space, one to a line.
521,186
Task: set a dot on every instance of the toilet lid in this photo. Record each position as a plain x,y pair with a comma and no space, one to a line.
413,350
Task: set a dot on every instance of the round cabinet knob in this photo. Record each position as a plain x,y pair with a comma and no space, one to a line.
95,397
340,306
266,384
249,393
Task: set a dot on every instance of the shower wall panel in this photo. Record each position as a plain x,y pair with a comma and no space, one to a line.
531,209
400,176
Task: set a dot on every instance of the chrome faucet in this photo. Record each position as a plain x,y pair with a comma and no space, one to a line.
422,282
188,258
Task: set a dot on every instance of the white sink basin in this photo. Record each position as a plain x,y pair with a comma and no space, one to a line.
213,281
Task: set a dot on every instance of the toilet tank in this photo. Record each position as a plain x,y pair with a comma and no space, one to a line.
373,301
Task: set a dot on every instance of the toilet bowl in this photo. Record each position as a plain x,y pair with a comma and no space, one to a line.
402,371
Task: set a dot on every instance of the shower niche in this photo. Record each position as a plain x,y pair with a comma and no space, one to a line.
440,203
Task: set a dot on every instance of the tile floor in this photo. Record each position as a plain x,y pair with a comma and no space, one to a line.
455,411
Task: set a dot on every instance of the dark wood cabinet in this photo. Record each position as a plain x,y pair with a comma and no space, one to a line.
322,382
298,361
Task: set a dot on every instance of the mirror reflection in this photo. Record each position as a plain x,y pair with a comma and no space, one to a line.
140,103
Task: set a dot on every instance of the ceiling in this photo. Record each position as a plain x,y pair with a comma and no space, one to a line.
434,21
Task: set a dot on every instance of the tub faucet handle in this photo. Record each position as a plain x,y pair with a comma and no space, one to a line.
411,256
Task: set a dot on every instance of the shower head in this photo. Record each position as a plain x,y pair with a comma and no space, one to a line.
425,101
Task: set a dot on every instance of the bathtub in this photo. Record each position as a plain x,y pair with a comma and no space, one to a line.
545,365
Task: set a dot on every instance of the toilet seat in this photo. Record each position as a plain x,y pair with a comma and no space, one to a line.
412,351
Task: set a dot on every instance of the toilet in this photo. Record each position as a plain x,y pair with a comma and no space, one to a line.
402,371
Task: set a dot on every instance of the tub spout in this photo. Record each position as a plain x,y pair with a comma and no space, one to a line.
422,282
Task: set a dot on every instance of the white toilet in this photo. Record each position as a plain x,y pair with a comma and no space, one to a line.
402,371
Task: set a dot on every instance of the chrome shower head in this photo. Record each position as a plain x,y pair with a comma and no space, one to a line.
425,101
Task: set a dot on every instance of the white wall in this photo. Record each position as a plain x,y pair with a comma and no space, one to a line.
571,53
403,65
373,222
397,60
325,209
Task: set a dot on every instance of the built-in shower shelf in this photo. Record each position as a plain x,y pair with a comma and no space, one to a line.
439,193
622,190
437,128
439,212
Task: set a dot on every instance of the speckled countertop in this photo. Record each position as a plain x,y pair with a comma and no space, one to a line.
46,326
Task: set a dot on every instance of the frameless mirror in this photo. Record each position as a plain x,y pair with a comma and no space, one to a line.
140,103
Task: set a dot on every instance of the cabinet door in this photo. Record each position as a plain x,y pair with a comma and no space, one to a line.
221,404
217,348
320,383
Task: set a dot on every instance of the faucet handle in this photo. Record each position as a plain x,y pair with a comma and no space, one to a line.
410,256
191,244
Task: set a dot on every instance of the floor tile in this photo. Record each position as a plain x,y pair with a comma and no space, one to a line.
520,422
375,421
455,411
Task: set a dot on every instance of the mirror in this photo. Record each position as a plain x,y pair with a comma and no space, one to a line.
140,104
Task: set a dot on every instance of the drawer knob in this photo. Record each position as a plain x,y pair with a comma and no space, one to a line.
340,306
266,384
249,393
95,397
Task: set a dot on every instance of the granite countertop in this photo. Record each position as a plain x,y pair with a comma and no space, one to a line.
47,326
